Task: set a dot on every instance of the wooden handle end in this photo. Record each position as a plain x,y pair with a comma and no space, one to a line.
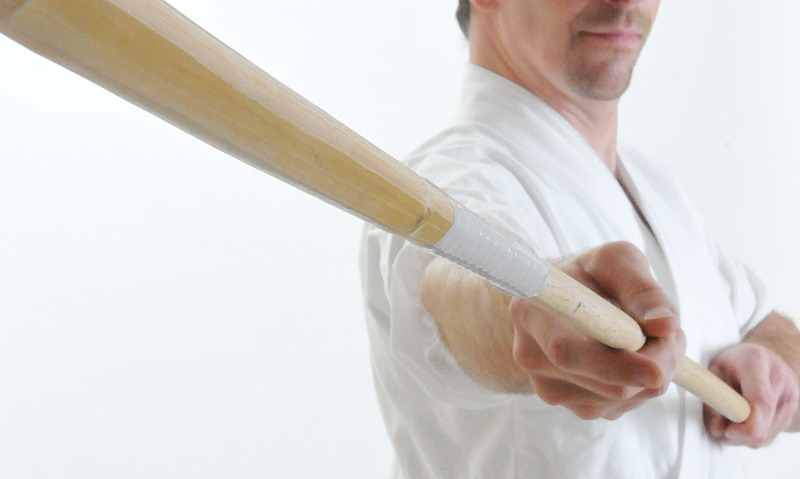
712,390
589,312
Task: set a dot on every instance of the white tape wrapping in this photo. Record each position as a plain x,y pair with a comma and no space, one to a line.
478,246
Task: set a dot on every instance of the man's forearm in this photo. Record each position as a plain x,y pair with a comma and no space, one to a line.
475,325
779,334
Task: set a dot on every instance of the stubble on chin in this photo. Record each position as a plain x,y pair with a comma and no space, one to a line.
600,80
604,72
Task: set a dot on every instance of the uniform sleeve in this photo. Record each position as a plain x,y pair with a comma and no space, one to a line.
391,269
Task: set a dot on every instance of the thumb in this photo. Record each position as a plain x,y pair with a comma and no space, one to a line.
621,273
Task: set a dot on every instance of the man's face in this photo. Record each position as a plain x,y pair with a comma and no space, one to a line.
585,47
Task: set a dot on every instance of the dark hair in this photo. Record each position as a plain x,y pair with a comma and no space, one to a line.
462,15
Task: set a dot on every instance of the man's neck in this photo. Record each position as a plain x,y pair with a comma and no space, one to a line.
595,120
597,124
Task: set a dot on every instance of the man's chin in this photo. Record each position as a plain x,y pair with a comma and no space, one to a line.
605,93
603,84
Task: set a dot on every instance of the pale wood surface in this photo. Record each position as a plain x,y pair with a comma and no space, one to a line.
714,392
592,314
154,57
151,55
599,319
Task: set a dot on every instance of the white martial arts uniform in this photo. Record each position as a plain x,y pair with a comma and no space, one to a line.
512,159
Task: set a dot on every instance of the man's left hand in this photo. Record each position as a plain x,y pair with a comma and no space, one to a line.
767,382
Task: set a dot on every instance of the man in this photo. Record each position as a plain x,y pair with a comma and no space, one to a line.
475,385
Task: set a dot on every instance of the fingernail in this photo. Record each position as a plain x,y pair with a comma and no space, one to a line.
658,312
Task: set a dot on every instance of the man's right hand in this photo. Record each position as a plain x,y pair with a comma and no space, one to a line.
568,368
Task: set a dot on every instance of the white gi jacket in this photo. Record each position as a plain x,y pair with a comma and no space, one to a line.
515,161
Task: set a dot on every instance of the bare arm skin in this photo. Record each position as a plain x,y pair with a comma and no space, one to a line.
513,346
473,320
765,368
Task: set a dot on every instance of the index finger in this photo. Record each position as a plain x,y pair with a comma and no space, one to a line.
620,272
575,353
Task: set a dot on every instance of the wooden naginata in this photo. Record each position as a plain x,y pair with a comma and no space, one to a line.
151,55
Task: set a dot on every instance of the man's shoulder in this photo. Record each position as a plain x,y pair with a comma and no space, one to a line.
466,141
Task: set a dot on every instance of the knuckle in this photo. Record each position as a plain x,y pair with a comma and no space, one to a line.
518,308
622,248
529,358
613,416
642,291
523,359
756,434
659,376
654,375
760,353
561,354
588,412
680,346
652,393
793,396
550,396
631,255
622,393
527,353
655,392
763,401
759,439
661,390
619,393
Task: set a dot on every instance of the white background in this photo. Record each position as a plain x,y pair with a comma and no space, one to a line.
166,311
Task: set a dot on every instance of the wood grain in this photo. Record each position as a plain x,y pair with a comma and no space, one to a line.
148,53
154,57
599,319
